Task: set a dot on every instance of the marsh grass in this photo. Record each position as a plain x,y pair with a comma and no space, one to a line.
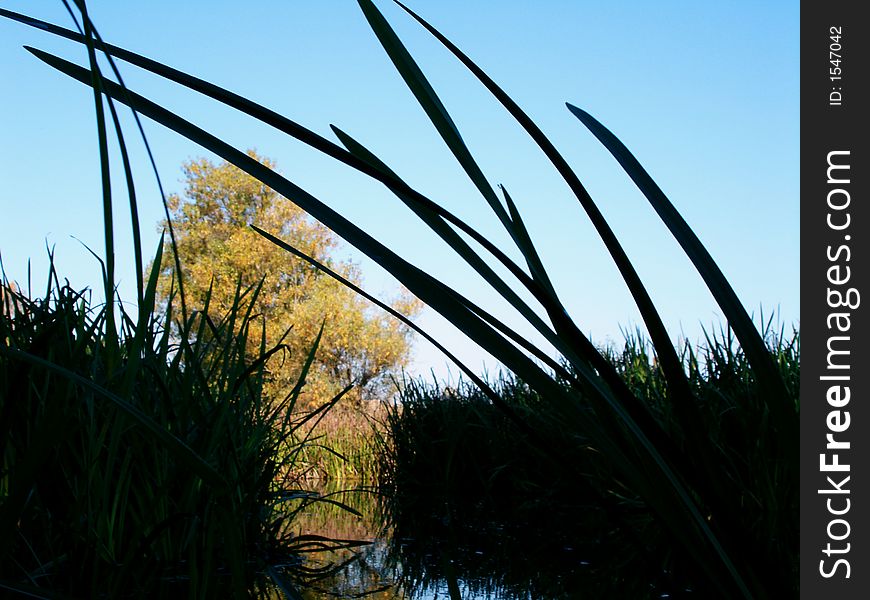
671,466
342,447
452,459
143,464
139,456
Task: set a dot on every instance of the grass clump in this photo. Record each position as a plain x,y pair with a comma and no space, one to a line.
144,464
342,446
460,479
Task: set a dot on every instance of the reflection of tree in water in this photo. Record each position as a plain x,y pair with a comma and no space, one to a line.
425,552
479,530
356,571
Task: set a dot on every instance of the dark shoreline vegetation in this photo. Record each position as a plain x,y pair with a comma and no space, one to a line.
146,464
454,461
140,458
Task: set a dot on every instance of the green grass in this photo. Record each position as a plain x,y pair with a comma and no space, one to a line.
453,462
671,465
138,454
142,464
342,445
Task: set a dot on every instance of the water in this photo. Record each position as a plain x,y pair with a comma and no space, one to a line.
428,557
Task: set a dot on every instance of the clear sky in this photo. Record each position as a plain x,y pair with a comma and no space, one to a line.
704,94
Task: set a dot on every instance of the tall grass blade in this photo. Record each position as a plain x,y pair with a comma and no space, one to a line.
456,243
431,104
666,352
108,228
355,159
533,260
421,284
146,310
108,50
472,376
783,414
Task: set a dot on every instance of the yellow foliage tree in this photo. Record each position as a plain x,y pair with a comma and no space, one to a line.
217,249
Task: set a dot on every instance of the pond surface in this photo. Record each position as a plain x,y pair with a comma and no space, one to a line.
429,558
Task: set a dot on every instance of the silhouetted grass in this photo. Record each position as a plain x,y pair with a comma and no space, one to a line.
143,464
138,457
671,467
458,477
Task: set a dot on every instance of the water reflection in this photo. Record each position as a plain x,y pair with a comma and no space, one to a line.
435,556
363,571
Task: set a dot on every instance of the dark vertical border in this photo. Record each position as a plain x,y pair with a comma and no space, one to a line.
835,300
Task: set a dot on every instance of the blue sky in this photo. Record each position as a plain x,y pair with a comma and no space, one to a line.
704,94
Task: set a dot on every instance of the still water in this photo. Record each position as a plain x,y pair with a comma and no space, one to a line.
429,558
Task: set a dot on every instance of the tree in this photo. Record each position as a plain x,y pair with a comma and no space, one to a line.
217,250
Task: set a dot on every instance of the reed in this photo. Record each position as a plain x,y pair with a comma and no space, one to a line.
453,461
139,456
678,472
342,447
141,463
